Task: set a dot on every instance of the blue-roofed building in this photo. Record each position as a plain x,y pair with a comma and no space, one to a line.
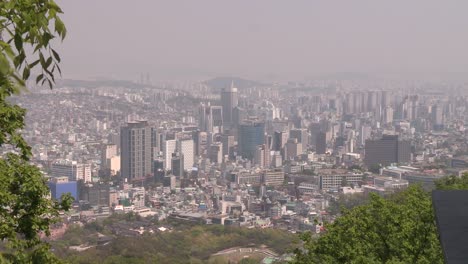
61,185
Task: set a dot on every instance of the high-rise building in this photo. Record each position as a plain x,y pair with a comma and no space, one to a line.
251,134
159,172
238,115
292,149
215,152
200,142
177,164
302,137
210,118
108,151
365,134
110,161
279,140
169,147
229,100
187,149
276,159
136,160
262,156
387,150
437,117
388,115
321,143
228,144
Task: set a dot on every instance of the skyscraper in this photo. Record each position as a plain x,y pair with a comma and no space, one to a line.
251,134
279,140
169,147
437,117
187,149
177,164
228,144
210,118
229,101
137,152
321,143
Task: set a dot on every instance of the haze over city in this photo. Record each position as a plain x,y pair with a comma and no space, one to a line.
265,40
221,132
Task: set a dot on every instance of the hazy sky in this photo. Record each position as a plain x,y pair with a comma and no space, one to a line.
261,38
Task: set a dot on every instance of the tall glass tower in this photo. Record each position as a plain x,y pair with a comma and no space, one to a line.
251,135
229,100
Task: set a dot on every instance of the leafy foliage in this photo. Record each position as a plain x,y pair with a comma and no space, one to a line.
453,182
400,229
196,243
25,212
347,201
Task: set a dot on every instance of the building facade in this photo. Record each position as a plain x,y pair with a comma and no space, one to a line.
137,152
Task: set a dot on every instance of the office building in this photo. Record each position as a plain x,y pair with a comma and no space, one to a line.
110,161
292,149
437,117
177,164
388,115
228,144
273,177
251,134
262,156
61,185
387,150
136,160
215,153
302,137
229,100
108,151
187,149
73,170
159,171
334,179
169,147
279,140
321,143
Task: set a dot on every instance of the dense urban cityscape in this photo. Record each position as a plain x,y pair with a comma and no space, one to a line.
233,152
233,132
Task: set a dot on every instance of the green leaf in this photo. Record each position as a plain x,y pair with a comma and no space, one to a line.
48,62
56,56
39,78
18,42
42,60
60,27
59,70
31,65
26,72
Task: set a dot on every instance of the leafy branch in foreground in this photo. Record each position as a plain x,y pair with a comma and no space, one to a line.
26,212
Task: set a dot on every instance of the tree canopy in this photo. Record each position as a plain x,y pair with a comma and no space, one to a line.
453,183
397,229
26,30
400,229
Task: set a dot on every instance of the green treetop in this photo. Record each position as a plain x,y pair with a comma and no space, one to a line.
399,229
